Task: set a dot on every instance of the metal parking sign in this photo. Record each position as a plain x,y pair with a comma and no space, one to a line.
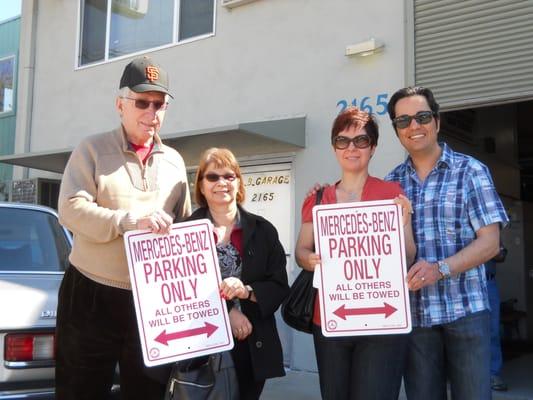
361,281
175,281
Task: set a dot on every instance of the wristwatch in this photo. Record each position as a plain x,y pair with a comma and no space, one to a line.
444,269
250,290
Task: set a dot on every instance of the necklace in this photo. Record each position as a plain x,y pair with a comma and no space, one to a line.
350,196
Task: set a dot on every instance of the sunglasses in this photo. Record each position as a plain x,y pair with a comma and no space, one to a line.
422,117
212,177
144,104
343,142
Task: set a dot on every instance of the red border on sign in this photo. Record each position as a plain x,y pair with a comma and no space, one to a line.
222,302
402,249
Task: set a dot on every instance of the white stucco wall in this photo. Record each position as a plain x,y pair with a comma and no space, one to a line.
267,59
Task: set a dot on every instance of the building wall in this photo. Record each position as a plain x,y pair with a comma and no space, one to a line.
9,44
267,59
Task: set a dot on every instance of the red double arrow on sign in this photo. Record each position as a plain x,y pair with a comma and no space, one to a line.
342,311
165,337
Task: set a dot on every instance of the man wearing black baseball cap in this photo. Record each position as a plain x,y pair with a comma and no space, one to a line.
143,75
114,182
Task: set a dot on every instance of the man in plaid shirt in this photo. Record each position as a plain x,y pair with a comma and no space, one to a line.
456,222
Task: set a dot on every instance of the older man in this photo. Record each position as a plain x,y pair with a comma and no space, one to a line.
114,182
456,221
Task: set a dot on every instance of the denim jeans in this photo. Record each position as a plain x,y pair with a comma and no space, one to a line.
96,328
495,344
360,367
458,352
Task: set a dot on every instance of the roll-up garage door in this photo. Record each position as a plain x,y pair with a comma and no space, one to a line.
474,52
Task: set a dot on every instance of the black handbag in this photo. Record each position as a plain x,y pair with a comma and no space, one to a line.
297,308
211,377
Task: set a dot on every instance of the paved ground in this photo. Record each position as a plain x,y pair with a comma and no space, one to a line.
300,385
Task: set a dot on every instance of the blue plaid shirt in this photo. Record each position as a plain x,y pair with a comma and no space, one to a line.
456,199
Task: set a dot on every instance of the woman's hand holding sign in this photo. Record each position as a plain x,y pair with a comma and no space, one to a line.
407,208
313,259
233,287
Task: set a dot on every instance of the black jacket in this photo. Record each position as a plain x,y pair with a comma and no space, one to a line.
263,267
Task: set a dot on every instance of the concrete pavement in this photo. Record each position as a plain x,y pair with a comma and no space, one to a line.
303,385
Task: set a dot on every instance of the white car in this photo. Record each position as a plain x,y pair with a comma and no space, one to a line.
34,251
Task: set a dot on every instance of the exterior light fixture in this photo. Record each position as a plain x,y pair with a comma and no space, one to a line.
234,3
366,48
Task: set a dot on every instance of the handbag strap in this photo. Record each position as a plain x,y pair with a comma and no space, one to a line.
319,193
318,200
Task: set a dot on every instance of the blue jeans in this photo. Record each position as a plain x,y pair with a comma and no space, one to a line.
360,367
495,344
458,352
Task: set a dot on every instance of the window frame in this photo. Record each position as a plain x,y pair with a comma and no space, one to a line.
11,112
106,60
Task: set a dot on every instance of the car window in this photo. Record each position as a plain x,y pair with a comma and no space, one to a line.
31,240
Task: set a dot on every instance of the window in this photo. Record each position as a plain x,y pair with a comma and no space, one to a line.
115,28
7,67
31,240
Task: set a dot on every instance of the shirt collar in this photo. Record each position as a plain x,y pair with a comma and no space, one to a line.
445,160
158,144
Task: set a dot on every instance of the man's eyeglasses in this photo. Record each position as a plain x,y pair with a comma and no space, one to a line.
422,117
144,104
343,142
212,177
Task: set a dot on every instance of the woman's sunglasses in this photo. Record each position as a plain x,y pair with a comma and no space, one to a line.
212,177
144,104
343,142
422,117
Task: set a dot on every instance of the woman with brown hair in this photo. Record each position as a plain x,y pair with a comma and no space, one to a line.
357,367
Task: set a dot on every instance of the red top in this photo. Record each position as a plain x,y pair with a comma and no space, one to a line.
374,189
142,151
235,238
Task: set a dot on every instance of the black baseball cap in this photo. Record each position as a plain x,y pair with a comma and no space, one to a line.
144,75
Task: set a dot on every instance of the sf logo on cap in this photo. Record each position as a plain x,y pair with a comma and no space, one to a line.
152,73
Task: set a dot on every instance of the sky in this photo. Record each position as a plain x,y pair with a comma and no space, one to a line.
9,9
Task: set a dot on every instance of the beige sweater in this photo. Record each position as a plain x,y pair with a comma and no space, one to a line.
105,189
